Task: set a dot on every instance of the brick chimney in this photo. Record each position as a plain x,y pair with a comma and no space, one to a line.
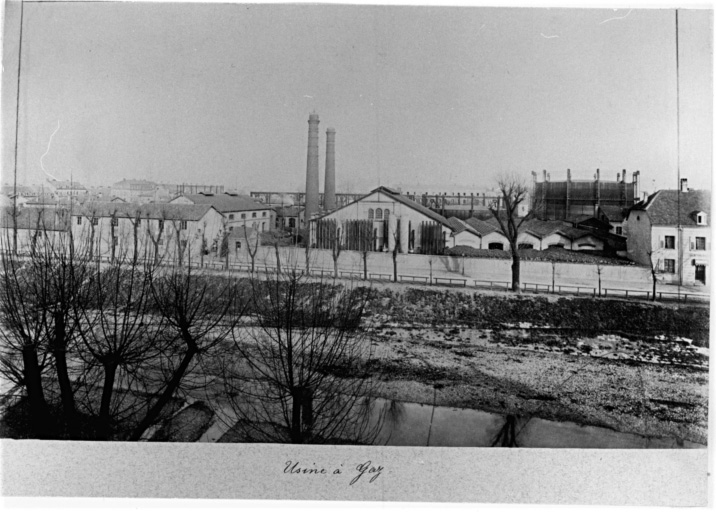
329,189
312,168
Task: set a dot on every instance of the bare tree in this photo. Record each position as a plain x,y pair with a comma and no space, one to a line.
396,250
277,239
299,376
199,312
249,249
513,192
654,265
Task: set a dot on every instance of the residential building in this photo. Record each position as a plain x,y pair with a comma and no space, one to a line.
237,210
176,232
66,188
671,231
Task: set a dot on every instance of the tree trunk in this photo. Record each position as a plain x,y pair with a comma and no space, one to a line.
395,266
110,371
335,267
365,265
169,391
515,271
297,401
59,352
33,384
653,286
278,259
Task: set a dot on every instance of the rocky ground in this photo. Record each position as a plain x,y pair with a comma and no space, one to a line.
650,386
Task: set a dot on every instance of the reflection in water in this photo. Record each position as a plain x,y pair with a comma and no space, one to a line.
413,424
507,436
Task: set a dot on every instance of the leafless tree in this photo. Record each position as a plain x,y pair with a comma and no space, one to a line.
513,192
299,375
654,265
251,250
199,312
277,239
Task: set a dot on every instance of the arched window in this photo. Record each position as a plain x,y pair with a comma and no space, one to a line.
495,246
378,214
370,213
386,214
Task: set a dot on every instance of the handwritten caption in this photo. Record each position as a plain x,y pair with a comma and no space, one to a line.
368,469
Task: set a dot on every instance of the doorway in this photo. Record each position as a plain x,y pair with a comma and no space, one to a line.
701,273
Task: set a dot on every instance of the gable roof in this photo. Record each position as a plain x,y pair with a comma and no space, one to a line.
665,207
398,198
480,226
51,219
613,213
459,226
162,211
227,202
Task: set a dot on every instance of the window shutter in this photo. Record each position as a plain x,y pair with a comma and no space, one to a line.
661,241
691,242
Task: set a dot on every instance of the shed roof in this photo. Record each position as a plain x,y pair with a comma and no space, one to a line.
227,202
162,211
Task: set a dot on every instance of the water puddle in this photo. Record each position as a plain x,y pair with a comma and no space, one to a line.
414,424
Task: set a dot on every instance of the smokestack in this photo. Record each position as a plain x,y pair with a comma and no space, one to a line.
312,168
329,190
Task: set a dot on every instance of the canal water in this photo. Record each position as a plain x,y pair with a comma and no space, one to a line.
413,424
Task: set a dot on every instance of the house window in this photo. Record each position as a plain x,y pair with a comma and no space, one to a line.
370,213
95,221
669,242
292,223
243,215
139,222
263,226
619,230
182,224
495,246
263,214
238,245
669,266
379,214
115,241
161,224
556,246
700,243
253,215
231,216
525,246
79,221
386,214
115,221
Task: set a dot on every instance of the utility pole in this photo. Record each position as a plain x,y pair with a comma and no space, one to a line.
17,124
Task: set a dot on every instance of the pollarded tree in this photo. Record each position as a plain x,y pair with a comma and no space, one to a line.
199,311
513,193
300,375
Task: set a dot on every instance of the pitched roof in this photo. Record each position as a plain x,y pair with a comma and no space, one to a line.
412,204
481,227
400,199
459,226
33,218
613,213
67,185
227,202
163,211
668,207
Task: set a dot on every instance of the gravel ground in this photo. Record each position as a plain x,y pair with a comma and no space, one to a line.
649,387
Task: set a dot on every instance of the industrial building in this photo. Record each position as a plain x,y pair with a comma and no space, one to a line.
572,199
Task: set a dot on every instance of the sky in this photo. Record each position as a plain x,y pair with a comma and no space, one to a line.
422,98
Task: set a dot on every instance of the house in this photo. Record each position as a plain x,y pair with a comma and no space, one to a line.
66,188
490,236
237,210
671,232
464,234
392,217
176,232
32,223
136,191
289,218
